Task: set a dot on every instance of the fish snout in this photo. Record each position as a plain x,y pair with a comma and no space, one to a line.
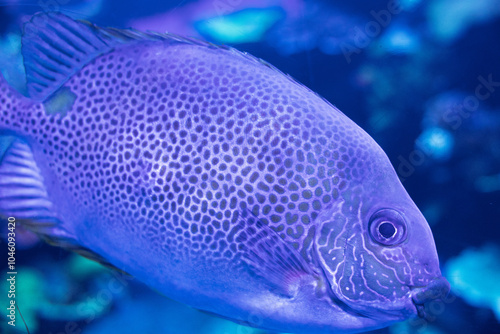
438,288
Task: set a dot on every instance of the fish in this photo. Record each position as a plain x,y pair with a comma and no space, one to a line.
212,177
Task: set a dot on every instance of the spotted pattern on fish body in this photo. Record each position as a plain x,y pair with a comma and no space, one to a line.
210,175
209,139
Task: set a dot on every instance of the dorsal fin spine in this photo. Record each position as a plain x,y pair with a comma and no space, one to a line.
53,57
68,41
80,36
72,43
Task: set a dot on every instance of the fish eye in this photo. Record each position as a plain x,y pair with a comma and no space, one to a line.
387,227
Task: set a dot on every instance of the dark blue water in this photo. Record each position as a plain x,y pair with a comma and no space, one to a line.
422,80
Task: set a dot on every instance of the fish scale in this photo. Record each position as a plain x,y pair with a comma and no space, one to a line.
212,177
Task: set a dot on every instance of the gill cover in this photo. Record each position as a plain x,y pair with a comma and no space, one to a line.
372,257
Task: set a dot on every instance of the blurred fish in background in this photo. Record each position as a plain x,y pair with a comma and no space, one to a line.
423,78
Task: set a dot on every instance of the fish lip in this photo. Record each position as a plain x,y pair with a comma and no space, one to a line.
438,288
420,310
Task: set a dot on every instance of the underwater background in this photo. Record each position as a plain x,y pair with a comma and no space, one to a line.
421,77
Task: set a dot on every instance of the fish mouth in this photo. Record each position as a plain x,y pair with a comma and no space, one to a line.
438,288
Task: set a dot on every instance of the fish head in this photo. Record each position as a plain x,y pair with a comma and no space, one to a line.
377,252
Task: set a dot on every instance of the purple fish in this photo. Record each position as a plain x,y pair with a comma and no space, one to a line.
212,177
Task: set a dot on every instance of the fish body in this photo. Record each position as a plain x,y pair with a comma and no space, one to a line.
213,178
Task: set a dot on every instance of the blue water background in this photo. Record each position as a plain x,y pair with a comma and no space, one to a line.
414,79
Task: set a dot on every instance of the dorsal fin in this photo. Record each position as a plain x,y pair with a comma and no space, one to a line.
55,47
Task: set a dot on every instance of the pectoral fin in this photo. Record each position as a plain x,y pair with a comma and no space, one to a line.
269,257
